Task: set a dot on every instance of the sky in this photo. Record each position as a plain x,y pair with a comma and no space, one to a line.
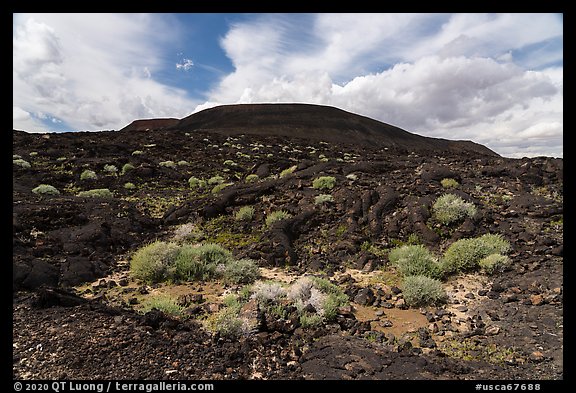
495,79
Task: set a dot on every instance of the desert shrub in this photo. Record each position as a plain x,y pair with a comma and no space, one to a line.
16,156
423,291
152,262
194,182
494,263
230,163
450,208
96,193
165,303
188,231
226,323
183,163
87,174
129,186
190,265
245,213
110,169
352,176
323,198
266,292
242,271
21,163
275,216
411,260
308,320
324,183
288,171
465,254
137,152
324,297
45,189
126,167
449,183
215,180
252,178
167,164
214,253
219,187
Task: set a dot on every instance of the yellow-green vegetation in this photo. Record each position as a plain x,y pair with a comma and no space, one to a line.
471,349
183,163
324,183
155,205
195,183
288,171
323,198
167,164
129,186
421,290
219,187
230,163
88,174
215,180
245,213
126,167
137,152
450,208
21,163
45,189
252,178
110,169
165,303
96,193
449,183
411,260
494,263
275,216
465,254
169,261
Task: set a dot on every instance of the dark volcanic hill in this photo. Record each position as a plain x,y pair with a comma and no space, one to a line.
318,123
150,124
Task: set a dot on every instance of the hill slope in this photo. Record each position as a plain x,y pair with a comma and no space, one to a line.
317,123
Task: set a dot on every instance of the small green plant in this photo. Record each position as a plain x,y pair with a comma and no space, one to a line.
215,180
165,303
494,263
21,163
423,291
450,208
87,174
226,323
352,176
194,183
183,163
242,271
219,187
167,164
323,198
110,169
288,171
96,193
324,183
126,167
275,216
230,163
252,178
137,152
245,213
129,186
449,183
411,260
267,292
189,265
45,189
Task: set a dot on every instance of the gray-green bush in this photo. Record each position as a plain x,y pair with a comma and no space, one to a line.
96,193
450,208
45,189
245,213
275,216
412,260
465,254
494,263
88,174
423,291
21,163
324,183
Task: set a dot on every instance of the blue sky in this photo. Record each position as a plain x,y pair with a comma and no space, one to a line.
496,79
